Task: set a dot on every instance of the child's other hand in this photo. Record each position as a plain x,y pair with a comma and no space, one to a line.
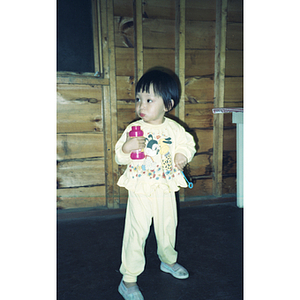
132,144
180,161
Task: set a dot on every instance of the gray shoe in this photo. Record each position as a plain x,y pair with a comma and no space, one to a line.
177,270
132,293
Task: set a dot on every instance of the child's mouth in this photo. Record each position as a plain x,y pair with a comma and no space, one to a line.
142,115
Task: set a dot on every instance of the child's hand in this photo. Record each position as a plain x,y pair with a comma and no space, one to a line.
180,161
135,143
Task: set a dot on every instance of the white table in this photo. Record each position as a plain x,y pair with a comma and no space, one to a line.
238,119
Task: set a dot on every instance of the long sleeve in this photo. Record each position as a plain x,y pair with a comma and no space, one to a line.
163,141
185,144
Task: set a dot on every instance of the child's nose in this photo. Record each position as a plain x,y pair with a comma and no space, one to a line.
142,105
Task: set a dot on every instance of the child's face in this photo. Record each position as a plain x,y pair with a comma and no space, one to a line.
150,107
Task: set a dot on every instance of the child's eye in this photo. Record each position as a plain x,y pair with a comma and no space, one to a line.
149,101
137,100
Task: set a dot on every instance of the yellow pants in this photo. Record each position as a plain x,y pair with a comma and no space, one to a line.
141,209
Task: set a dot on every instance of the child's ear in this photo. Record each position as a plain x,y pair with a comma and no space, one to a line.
171,106
172,101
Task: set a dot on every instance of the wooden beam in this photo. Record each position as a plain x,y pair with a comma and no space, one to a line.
97,36
219,87
86,78
180,54
180,63
138,39
104,36
109,100
113,100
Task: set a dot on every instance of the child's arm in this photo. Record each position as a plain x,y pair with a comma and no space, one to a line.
135,143
185,149
125,145
180,161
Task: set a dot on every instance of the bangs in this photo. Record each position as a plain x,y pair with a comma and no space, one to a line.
144,86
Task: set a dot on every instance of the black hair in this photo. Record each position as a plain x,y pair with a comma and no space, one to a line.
164,85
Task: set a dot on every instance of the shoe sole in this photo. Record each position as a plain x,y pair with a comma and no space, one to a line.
166,270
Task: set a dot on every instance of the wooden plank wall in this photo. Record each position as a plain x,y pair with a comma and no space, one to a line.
159,50
81,142
80,147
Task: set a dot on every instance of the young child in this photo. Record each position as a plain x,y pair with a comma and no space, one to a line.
152,182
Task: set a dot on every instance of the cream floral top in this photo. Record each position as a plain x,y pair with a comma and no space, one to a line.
157,168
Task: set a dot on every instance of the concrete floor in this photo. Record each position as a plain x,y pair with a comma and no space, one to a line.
209,242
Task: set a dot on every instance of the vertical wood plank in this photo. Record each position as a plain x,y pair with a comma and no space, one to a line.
97,38
99,31
180,62
106,108
219,80
180,54
138,39
95,35
113,101
104,36
109,102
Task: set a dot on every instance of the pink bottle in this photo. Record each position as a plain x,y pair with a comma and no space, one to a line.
136,131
